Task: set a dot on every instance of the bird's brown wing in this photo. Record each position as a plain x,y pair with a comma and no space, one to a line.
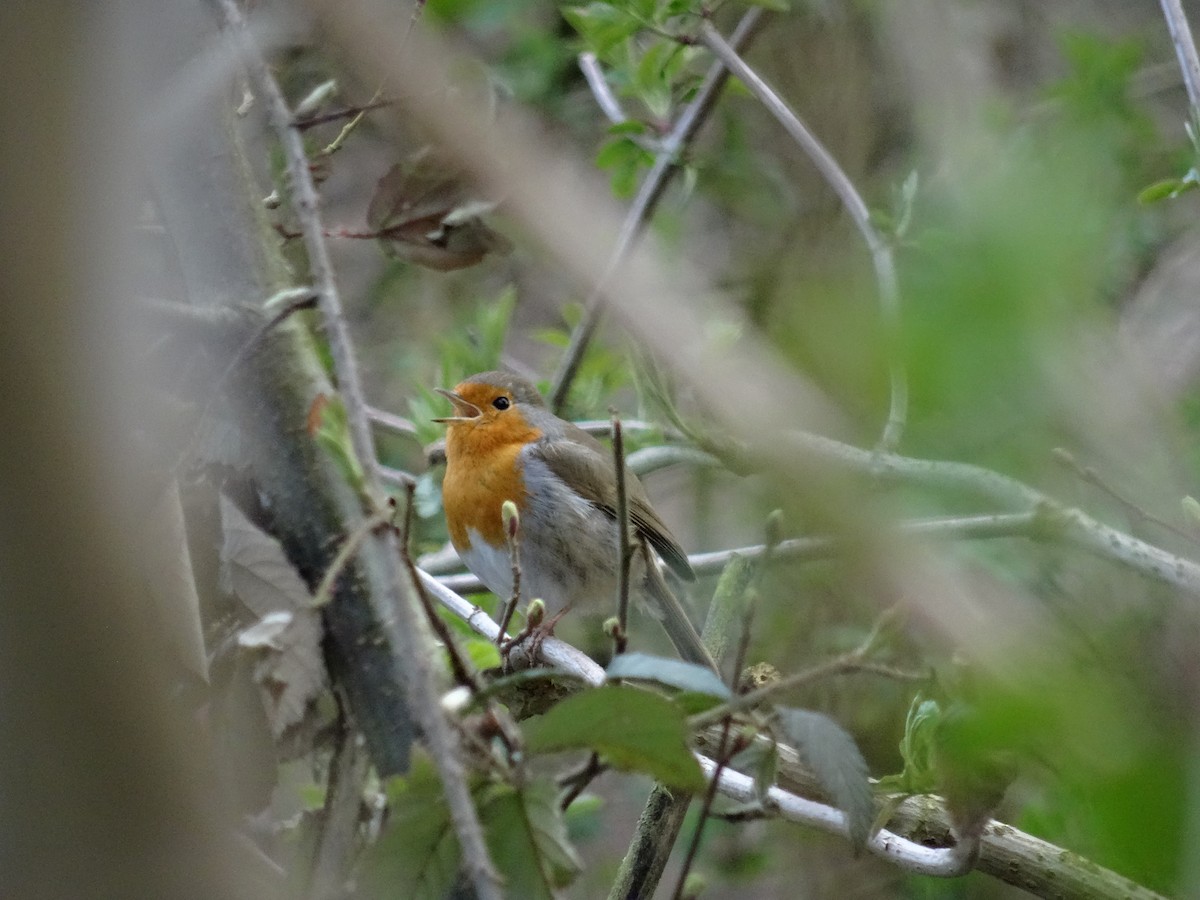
587,466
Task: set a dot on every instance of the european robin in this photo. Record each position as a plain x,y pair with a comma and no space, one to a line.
503,443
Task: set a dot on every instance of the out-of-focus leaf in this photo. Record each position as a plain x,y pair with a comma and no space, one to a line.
327,423
527,837
633,729
838,765
286,639
417,856
254,567
674,673
422,213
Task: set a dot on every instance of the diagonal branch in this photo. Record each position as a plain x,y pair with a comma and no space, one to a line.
881,251
395,612
653,186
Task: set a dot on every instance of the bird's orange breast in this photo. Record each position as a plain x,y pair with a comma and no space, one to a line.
483,470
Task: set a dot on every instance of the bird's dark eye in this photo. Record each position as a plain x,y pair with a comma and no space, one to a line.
501,403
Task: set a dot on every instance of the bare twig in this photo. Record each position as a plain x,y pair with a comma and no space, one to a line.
461,669
346,552
850,663
605,99
391,421
798,549
1185,50
710,795
624,546
576,782
348,112
1089,475
395,614
512,536
1045,518
836,178
666,163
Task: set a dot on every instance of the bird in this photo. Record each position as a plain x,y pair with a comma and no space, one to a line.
504,443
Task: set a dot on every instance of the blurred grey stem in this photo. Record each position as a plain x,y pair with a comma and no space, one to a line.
836,178
662,818
397,612
653,186
605,99
1185,50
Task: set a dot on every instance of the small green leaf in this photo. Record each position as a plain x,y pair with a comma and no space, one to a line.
1160,190
838,764
629,126
635,730
672,673
601,26
527,838
615,152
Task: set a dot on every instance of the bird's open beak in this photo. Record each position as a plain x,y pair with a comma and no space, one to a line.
464,410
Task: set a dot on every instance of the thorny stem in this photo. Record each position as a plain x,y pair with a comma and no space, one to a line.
880,249
654,185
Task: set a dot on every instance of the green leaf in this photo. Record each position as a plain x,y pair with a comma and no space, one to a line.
635,730
1166,189
527,838
601,26
629,126
417,857
838,765
674,673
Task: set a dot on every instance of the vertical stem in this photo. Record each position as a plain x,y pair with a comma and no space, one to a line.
624,546
1185,50
836,178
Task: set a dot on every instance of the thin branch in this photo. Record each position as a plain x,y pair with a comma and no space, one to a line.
348,112
394,614
605,99
836,178
1052,520
460,667
982,527
846,664
391,421
624,546
1089,475
324,592
706,804
950,862
1185,50
653,186
1006,853
512,536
